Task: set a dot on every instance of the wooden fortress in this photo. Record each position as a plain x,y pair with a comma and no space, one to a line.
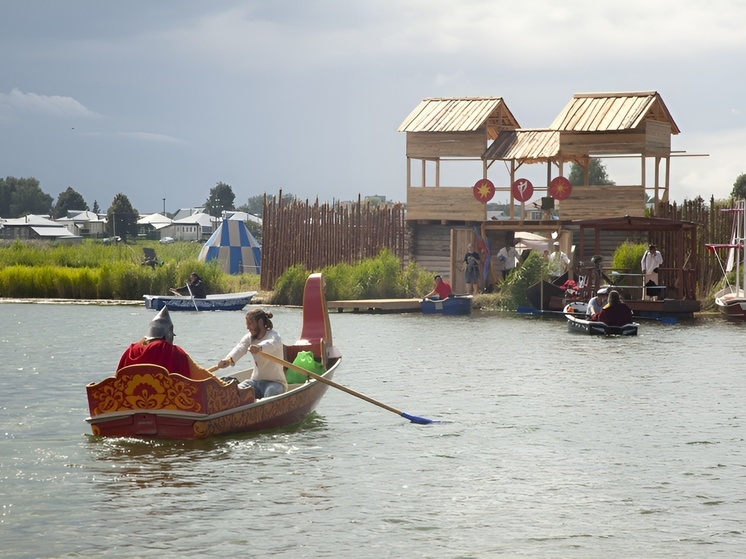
482,130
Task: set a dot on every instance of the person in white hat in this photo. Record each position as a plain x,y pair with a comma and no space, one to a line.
158,348
558,263
597,303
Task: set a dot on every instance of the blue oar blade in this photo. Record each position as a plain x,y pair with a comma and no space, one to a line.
417,419
668,320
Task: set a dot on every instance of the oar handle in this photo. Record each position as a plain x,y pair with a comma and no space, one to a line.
196,308
303,371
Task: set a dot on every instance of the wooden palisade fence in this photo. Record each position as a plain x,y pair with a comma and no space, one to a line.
318,235
715,226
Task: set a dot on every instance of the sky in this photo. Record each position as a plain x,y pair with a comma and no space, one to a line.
166,98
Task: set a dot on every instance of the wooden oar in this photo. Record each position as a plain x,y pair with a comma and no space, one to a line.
287,364
189,287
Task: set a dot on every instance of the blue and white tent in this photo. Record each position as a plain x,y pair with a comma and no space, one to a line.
234,247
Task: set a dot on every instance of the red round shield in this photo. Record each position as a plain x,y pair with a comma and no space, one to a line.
560,188
484,190
522,190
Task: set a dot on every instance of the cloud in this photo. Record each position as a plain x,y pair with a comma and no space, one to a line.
144,136
50,105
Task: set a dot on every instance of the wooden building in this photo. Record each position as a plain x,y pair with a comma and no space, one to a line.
482,131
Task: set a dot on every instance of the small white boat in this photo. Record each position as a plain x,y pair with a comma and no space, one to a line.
217,302
731,300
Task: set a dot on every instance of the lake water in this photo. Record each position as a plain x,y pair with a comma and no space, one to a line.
555,445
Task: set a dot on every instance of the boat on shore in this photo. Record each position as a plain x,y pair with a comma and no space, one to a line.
146,401
578,321
731,300
217,302
456,305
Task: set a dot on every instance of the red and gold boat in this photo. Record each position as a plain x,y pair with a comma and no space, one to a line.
146,401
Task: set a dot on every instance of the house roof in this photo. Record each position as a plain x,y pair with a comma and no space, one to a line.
529,146
203,219
242,216
460,114
55,232
33,220
603,112
154,219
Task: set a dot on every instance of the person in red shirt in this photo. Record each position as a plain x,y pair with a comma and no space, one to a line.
615,312
157,348
442,289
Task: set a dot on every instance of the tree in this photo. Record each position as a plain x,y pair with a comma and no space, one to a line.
739,187
19,197
221,198
596,174
68,200
95,208
255,204
121,218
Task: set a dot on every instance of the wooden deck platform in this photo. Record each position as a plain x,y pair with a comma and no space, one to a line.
376,305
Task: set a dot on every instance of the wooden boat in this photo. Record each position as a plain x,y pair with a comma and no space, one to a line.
146,401
577,321
217,302
459,304
731,300
547,296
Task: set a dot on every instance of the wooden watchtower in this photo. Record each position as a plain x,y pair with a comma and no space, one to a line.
483,131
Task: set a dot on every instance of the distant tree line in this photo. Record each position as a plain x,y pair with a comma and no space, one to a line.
23,196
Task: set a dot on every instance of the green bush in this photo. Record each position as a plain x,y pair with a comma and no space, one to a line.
381,277
627,257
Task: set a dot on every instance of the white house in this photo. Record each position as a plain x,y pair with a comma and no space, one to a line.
152,225
196,227
83,223
37,227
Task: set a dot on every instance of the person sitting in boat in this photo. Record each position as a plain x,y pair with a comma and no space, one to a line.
268,378
158,348
442,289
615,312
597,303
194,287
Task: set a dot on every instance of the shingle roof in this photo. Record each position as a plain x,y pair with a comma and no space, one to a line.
600,112
458,114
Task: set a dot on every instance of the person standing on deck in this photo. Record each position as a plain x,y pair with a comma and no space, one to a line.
471,271
650,262
558,263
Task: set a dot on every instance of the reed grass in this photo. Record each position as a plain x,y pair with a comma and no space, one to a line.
382,277
92,270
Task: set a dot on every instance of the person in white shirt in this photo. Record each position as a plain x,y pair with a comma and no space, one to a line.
597,303
507,256
558,262
650,262
268,378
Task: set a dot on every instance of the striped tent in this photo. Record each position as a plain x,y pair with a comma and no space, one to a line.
234,247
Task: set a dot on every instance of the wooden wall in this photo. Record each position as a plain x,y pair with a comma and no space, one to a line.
597,202
432,145
651,138
444,203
